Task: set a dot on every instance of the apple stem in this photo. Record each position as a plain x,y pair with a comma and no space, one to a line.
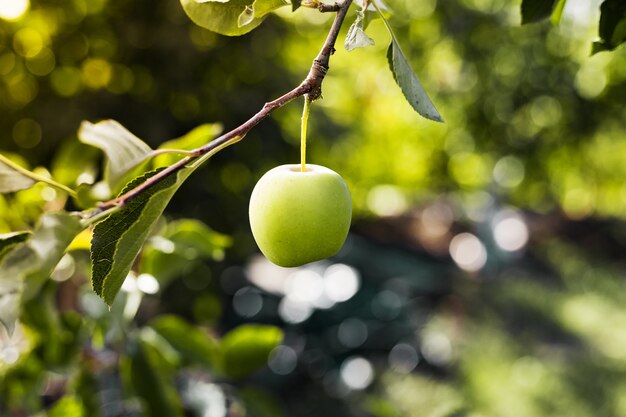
305,119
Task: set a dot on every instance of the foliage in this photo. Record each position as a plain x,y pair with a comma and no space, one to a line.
532,122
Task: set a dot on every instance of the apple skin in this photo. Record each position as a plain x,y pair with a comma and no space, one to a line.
299,217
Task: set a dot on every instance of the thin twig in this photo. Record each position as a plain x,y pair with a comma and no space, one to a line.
311,86
326,8
36,177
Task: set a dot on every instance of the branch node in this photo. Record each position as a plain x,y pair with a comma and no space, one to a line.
328,8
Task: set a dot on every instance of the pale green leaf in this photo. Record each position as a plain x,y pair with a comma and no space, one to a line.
118,239
231,18
356,37
9,240
11,179
68,406
26,267
555,18
193,139
75,163
246,17
220,17
194,344
410,84
263,7
247,348
124,151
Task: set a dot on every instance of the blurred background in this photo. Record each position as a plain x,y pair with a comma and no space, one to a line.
484,272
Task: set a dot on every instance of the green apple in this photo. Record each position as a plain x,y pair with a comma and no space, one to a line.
299,217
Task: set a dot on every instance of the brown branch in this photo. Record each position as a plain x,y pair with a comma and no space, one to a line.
311,86
325,8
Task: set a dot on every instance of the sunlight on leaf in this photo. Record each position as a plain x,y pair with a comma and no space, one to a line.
25,268
247,348
124,150
118,239
11,179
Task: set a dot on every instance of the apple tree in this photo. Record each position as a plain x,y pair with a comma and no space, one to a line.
116,215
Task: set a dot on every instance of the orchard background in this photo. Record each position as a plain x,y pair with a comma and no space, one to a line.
484,271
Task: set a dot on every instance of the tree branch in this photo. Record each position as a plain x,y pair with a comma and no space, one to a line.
311,86
325,8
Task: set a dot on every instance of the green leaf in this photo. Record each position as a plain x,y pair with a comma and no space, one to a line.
9,240
410,84
260,403
124,151
194,344
264,7
68,406
612,28
14,177
178,250
151,381
118,239
75,163
405,77
356,37
26,267
537,10
295,5
220,16
11,179
246,348
555,18
246,17
193,139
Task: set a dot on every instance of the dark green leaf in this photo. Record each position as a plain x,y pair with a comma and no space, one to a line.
261,403
124,151
118,239
247,348
151,381
220,16
85,384
26,267
295,5
409,83
612,28
9,240
194,344
537,10
11,179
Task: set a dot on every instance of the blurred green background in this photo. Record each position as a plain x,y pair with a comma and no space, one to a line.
484,274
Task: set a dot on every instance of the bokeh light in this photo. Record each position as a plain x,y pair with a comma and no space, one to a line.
468,252
13,9
283,360
357,373
510,231
403,358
